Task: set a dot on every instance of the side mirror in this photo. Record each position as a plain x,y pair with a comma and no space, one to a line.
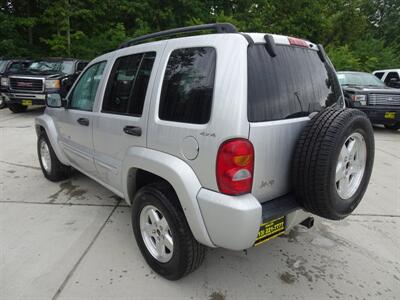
55,101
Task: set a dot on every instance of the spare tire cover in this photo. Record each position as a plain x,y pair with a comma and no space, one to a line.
333,161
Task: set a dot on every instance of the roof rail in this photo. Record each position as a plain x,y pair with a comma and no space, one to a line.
218,27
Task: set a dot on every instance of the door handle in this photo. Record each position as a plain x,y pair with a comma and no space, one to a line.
83,121
133,130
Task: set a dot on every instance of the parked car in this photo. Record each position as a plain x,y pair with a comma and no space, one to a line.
30,86
216,140
367,93
10,66
390,77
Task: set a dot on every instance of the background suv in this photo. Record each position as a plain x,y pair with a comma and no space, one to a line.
390,77
10,66
31,85
366,92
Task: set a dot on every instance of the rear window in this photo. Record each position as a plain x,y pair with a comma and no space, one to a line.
292,84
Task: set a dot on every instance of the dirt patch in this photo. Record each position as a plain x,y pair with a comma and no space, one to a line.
72,191
288,278
216,296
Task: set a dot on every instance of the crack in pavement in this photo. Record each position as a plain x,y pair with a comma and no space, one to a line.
69,275
17,127
384,151
19,165
65,204
375,215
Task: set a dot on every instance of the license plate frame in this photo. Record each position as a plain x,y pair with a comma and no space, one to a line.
391,115
270,229
26,102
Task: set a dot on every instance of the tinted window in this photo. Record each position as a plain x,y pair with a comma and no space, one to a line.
188,84
127,86
392,76
84,93
81,66
379,74
292,84
141,82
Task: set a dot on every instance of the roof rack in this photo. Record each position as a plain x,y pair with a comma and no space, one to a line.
218,27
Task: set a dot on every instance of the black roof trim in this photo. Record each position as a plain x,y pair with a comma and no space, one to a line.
218,27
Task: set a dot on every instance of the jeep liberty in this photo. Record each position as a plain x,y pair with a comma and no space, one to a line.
224,140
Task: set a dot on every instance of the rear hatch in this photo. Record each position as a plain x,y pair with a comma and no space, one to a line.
283,90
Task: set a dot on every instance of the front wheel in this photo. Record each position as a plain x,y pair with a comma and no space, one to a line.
162,233
51,167
17,108
395,126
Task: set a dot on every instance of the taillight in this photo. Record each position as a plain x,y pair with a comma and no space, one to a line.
297,42
235,164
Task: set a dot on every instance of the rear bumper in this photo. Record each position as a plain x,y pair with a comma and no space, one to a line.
37,99
233,222
377,114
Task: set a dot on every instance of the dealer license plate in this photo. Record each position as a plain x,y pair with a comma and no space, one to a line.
26,102
390,115
269,230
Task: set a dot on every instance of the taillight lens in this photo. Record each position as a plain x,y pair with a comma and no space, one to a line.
235,164
297,42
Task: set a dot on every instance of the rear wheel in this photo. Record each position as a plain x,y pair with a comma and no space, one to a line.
162,233
51,167
395,126
333,162
17,108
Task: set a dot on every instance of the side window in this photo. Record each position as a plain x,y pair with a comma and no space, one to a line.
15,67
379,74
127,86
81,65
84,93
392,76
187,89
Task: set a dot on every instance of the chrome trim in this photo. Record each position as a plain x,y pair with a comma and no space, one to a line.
27,96
27,77
384,99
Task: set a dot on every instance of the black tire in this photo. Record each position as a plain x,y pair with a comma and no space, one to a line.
395,126
316,156
187,253
2,102
58,170
17,108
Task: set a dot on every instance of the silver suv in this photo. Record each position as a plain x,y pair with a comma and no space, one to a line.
216,140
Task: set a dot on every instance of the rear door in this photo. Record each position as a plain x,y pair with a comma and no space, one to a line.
121,122
76,122
282,92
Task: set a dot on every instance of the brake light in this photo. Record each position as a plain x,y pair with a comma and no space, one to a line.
297,42
234,169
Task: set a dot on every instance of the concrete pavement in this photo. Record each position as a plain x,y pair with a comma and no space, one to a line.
73,240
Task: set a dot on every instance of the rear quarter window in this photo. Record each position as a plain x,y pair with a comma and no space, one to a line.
188,84
292,84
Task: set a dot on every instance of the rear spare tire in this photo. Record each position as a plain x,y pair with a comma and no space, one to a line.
333,162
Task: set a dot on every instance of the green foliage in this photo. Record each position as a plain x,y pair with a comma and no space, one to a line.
343,58
358,34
